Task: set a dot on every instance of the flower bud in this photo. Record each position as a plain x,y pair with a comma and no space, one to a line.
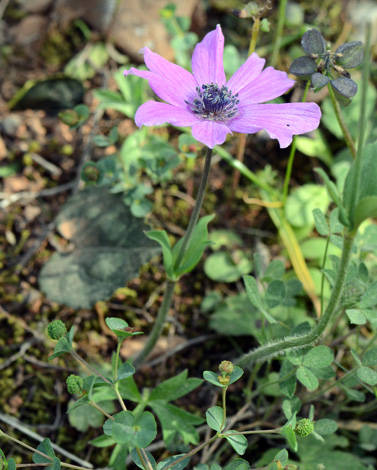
304,427
74,384
224,380
56,330
226,367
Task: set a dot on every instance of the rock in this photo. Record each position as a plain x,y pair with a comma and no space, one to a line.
35,6
10,124
30,29
131,25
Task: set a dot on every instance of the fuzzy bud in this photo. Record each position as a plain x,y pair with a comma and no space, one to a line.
224,380
226,367
56,329
304,427
74,384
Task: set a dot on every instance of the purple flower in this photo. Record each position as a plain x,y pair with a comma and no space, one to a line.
214,107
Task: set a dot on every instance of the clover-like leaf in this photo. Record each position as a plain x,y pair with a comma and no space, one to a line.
303,67
120,328
344,89
313,43
319,81
109,248
237,440
352,54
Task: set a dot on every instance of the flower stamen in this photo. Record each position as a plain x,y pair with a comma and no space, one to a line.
214,103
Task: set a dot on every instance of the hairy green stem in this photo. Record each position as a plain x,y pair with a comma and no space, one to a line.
168,296
291,158
101,410
196,211
279,32
355,187
224,407
346,133
298,342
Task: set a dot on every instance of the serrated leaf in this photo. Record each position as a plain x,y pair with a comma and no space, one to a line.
237,441
110,246
214,418
307,378
320,356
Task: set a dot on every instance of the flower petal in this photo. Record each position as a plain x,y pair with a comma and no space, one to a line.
248,72
153,113
210,133
281,121
270,84
170,82
207,60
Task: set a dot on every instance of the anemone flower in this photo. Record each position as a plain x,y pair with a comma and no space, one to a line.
214,107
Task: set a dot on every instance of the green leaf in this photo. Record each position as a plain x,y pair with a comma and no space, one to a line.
356,316
227,267
237,441
125,428
365,208
161,237
315,146
46,448
291,407
129,391
369,298
179,466
355,395
121,328
110,247
301,203
325,427
102,441
370,357
214,418
62,347
174,388
367,375
124,371
275,294
307,378
11,464
334,195
275,271
237,464
51,95
199,241
320,356
290,435
175,420
321,223
287,386
84,416
255,298
235,316
136,459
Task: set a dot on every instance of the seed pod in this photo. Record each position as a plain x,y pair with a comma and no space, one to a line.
74,384
304,427
56,330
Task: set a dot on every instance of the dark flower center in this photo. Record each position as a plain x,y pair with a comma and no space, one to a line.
214,103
